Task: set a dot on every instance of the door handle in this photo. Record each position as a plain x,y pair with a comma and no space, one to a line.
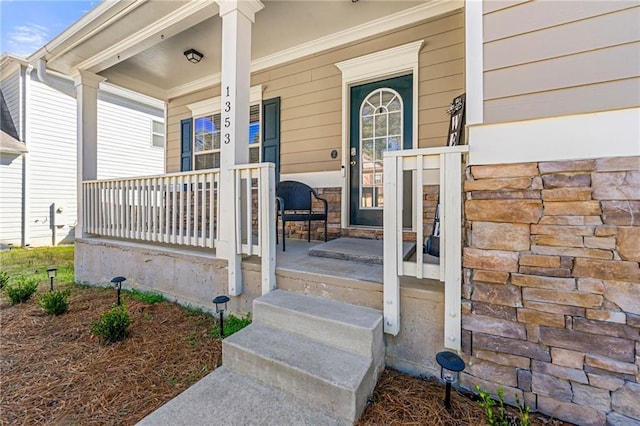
353,163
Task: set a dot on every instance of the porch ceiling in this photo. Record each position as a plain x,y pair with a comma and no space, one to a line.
138,47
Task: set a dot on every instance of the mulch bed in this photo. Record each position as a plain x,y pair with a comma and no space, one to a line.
53,371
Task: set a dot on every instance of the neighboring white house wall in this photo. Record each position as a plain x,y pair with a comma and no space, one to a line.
10,198
11,170
51,130
125,139
124,149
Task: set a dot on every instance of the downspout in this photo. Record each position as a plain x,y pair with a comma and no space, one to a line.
25,158
45,78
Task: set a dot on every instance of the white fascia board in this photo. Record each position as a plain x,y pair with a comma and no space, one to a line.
572,137
106,9
192,13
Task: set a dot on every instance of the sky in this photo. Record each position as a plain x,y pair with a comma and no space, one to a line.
27,25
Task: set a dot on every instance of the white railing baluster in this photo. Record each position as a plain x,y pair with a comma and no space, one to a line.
211,222
202,192
419,214
249,210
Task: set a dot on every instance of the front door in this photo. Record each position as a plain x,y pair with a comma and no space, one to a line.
381,120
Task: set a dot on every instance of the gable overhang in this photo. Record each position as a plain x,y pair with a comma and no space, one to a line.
139,45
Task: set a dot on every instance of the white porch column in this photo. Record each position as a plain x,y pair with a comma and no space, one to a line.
237,18
87,144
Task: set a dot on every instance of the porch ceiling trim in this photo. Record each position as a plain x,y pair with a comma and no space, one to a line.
188,15
111,11
406,17
120,79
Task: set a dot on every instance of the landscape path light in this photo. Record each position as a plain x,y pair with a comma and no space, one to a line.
117,282
51,272
450,366
221,306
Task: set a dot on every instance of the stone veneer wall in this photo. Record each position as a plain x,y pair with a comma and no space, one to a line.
551,292
334,199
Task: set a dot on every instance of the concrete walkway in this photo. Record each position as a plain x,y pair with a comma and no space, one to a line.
227,398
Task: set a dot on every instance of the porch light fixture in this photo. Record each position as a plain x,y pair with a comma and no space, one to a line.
221,306
51,273
117,282
450,365
193,56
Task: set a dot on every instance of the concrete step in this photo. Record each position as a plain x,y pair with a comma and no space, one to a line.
352,328
334,380
225,397
357,250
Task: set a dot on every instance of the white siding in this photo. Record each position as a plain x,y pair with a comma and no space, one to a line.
124,149
124,140
11,199
51,140
11,171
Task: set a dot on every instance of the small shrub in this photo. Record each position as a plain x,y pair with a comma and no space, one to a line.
232,324
21,290
113,324
502,418
55,302
4,279
149,297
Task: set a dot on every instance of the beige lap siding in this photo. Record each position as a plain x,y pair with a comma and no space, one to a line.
311,95
549,58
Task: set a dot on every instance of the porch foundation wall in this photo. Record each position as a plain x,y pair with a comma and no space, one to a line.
189,277
551,292
193,278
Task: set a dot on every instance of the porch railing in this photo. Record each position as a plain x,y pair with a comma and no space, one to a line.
439,166
184,209
178,208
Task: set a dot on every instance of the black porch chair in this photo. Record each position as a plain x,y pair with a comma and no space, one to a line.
294,200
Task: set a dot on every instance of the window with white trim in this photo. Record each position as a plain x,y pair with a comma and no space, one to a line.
157,133
206,131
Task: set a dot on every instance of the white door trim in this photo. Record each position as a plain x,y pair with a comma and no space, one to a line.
369,68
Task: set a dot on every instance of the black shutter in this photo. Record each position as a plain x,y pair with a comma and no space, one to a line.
186,144
271,133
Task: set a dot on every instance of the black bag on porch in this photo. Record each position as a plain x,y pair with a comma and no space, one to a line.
456,128
432,242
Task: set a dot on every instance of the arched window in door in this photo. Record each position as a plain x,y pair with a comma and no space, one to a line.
380,131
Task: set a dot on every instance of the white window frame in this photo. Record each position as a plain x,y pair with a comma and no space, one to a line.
154,133
211,106
376,66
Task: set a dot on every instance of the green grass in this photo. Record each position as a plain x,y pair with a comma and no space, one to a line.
149,297
232,324
33,263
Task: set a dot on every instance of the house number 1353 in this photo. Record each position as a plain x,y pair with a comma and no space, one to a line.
227,119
